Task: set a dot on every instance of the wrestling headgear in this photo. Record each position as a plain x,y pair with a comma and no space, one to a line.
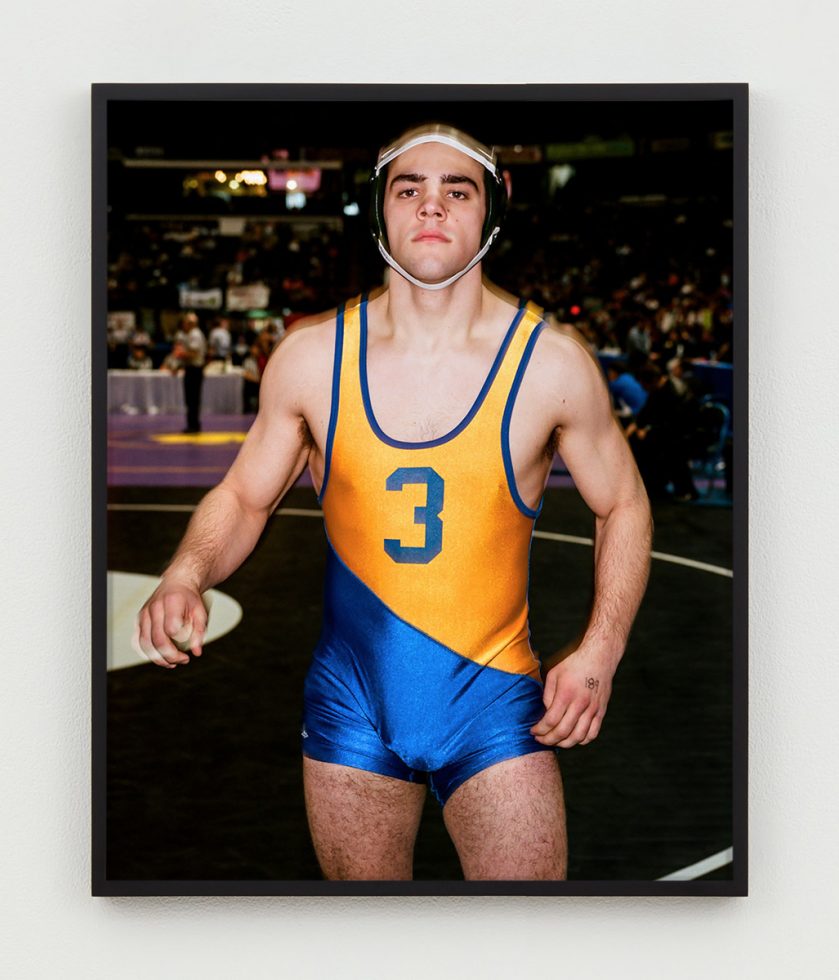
495,192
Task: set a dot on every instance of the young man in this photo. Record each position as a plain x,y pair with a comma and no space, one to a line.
428,416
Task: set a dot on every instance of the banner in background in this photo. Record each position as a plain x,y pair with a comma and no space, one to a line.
201,299
252,297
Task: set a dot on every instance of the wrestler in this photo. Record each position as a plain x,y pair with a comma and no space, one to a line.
428,414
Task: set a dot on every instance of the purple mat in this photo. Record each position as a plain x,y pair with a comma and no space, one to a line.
137,459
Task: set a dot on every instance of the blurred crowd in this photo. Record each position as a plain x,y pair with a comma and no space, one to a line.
152,264
650,295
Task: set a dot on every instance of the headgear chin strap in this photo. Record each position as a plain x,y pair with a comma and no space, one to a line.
496,192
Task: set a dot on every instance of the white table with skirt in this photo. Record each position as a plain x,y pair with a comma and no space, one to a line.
162,393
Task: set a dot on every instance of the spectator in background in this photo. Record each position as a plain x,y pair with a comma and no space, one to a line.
265,342
660,437
668,348
253,365
119,335
678,377
240,350
141,338
195,349
174,360
138,358
252,377
627,393
219,342
638,346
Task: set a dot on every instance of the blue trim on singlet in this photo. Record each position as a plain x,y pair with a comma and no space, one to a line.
505,426
365,392
336,391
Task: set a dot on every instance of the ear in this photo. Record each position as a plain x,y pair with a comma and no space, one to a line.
508,183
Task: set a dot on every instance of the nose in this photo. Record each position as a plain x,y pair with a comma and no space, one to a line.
431,205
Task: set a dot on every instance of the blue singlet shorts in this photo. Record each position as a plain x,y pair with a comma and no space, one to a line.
384,697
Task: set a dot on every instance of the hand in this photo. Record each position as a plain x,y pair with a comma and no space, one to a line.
173,620
576,695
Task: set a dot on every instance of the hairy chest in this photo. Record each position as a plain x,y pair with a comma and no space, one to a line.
418,398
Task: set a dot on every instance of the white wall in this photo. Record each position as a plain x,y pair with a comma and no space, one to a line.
49,926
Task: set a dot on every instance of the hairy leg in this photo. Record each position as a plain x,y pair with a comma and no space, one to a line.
508,821
363,825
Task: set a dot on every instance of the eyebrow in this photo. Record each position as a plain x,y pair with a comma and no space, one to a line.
445,179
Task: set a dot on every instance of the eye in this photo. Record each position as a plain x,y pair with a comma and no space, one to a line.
459,195
407,192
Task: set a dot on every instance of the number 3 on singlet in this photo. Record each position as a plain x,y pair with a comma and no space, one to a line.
429,515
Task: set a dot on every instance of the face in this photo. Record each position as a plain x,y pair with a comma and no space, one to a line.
434,207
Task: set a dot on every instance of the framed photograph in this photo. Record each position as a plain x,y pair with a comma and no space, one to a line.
436,354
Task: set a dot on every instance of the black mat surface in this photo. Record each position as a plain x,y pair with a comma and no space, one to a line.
203,763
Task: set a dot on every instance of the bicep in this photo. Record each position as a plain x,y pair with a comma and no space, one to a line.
593,446
601,465
276,448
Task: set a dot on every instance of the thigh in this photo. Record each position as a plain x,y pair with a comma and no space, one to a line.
363,825
508,821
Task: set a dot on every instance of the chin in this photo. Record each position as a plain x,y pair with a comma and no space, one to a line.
432,272
431,278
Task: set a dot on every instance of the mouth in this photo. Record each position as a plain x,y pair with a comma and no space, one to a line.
430,236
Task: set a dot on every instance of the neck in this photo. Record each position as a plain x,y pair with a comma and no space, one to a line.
432,317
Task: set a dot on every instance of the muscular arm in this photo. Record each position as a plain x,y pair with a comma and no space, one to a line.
595,451
228,522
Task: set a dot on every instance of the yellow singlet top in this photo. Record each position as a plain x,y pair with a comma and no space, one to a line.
436,530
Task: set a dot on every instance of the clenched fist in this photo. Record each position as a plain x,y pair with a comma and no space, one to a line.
576,696
173,620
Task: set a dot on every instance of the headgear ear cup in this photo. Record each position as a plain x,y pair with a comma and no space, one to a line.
496,196
495,192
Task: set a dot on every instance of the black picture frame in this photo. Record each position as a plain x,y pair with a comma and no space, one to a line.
540,98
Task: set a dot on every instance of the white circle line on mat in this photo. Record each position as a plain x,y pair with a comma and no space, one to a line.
701,566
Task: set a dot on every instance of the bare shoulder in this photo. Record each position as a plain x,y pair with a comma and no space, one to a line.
307,348
563,385
314,320
568,329
302,362
561,363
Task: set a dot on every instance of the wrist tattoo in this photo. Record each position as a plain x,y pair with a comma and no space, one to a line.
592,683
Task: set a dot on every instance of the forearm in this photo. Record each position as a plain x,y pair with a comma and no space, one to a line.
221,534
622,545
